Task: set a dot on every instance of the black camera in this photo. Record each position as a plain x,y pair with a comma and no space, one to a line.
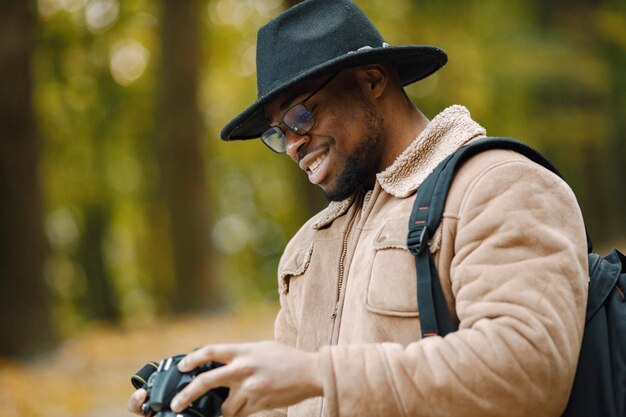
163,381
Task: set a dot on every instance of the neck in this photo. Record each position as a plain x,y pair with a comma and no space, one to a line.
403,123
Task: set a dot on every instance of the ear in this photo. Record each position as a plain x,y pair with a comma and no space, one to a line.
375,79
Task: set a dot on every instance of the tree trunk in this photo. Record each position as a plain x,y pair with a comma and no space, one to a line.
25,325
615,56
100,301
604,202
181,156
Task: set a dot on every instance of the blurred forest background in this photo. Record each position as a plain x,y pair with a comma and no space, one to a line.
125,221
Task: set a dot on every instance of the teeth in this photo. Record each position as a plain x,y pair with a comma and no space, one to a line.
316,163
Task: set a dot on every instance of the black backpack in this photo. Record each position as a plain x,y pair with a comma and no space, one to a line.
599,388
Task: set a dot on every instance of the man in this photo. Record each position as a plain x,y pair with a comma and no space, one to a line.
510,251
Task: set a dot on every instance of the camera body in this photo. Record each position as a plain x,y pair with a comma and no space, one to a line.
164,381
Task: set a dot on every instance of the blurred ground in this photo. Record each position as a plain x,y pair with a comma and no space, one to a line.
89,376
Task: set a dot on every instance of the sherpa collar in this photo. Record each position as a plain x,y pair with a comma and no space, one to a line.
447,132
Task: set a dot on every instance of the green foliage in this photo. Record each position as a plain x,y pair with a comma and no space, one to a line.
549,75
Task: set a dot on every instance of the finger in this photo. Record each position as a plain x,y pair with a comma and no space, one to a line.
218,353
233,405
206,381
136,401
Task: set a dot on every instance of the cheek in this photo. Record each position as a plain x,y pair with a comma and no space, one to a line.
346,131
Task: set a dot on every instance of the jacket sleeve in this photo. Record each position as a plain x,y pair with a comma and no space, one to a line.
519,279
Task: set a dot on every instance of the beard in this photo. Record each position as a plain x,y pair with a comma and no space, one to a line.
361,166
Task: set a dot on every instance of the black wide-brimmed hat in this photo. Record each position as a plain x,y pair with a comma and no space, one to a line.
316,38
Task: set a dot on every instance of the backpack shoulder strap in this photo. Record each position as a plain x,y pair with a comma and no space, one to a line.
604,273
425,218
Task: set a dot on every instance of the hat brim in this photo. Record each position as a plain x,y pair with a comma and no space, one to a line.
414,62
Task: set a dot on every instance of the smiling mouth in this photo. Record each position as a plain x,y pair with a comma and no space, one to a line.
315,164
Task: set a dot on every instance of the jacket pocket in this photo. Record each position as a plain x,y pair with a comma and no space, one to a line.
294,266
392,287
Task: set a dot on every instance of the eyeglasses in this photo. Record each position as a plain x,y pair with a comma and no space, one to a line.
298,118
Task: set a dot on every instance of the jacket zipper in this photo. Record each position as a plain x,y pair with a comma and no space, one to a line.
342,260
342,266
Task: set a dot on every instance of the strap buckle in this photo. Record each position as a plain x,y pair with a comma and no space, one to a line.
417,240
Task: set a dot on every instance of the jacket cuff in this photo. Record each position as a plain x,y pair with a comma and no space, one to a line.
356,382
279,412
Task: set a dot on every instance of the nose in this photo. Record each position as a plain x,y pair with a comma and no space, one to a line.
293,144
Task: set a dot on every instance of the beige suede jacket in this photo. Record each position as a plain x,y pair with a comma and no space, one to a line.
511,254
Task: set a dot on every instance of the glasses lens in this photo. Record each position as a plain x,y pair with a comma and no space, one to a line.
274,138
299,119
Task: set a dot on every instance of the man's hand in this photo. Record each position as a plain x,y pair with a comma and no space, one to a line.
261,376
136,401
